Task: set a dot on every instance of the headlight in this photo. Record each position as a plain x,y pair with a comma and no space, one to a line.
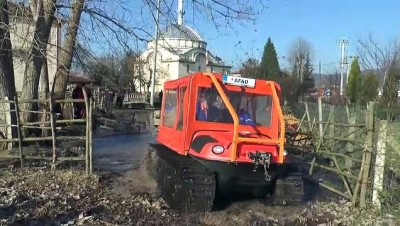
285,153
218,149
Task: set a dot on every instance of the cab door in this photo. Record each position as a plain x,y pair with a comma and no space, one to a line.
179,128
171,131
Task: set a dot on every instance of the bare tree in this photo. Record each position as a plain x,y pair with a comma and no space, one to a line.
374,55
384,60
61,77
299,55
43,14
250,68
377,56
7,83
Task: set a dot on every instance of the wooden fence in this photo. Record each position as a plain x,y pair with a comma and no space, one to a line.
48,123
340,147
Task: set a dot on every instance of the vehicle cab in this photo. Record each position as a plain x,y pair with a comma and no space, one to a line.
223,118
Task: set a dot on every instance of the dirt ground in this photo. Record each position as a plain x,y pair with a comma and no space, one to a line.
69,197
128,196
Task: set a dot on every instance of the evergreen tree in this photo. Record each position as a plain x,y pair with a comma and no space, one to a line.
269,63
353,89
308,79
369,88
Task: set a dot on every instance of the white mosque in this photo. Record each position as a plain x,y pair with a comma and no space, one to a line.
180,51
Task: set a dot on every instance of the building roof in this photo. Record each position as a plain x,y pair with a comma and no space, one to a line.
214,60
78,78
176,31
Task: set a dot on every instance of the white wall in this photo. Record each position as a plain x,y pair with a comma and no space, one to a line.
21,35
168,61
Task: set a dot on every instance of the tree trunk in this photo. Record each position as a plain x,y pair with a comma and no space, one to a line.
44,80
7,82
61,78
43,23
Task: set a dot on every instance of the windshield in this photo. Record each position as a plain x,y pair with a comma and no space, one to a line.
252,109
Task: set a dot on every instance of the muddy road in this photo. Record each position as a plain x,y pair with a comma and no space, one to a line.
120,153
121,156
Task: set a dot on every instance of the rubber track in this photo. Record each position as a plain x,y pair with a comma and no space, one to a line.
288,190
184,183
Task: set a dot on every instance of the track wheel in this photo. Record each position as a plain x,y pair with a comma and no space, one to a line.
184,183
288,191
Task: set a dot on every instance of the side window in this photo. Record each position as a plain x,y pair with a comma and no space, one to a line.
170,109
181,108
264,110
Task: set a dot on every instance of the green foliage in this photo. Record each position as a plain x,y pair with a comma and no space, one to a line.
269,63
370,86
290,88
308,79
301,65
353,89
250,68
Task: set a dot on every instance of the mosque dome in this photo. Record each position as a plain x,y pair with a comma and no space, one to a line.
181,32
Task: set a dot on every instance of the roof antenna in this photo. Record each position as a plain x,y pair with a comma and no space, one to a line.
180,12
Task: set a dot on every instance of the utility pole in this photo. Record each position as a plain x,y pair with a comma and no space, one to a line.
319,72
153,74
343,61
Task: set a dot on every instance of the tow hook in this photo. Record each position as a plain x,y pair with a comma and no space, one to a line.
261,159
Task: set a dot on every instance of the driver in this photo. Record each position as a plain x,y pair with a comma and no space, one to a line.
217,110
202,109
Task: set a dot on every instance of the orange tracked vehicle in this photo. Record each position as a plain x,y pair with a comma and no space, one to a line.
222,134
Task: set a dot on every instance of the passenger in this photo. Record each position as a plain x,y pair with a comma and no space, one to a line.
244,117
168,105
202,111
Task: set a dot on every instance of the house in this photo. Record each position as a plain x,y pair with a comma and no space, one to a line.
22,29
181,51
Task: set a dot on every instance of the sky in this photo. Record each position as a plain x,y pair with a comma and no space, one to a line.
321,22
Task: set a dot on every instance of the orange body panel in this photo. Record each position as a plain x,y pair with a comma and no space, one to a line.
182,127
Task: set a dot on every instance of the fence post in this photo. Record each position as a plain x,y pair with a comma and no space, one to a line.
320,140
90,119
367,153
380,163
85,96
9,125
19,133
308,116
349,146
320,116
53,129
